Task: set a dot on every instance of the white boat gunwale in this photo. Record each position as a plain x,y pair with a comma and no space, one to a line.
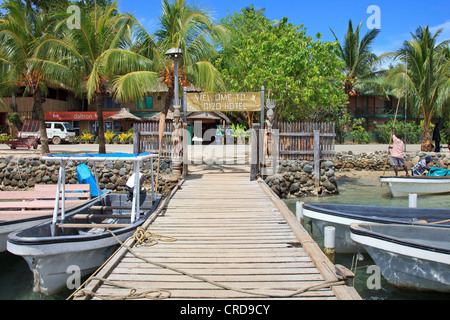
16,239
358,234
416,177
346,218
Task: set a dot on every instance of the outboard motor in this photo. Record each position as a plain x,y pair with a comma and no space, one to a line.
130,187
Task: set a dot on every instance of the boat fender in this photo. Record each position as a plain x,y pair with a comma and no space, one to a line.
129,186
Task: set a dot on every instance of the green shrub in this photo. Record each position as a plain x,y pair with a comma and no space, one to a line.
360,135
412,135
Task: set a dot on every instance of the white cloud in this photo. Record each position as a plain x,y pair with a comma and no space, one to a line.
445,34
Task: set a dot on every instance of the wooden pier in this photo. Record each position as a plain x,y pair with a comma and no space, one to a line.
232,239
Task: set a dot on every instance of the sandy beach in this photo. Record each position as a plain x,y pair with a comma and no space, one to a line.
363,174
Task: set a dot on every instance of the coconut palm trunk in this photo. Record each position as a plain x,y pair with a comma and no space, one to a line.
39,110
101,128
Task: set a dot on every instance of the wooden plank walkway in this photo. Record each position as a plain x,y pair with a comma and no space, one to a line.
228,230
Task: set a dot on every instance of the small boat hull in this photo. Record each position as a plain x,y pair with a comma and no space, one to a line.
55,261
421,185
341,216
52,273
6,227
413,258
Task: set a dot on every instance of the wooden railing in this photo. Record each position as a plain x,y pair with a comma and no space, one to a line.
146,138
297,141
290,141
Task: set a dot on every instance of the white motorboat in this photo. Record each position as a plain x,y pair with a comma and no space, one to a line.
81,240
341,216
410,257
403,186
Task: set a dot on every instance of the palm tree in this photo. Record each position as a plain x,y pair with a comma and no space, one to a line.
101,29
359,60
21,30
182,26
426,78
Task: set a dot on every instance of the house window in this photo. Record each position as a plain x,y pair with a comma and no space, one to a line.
146,103
109,104
388,108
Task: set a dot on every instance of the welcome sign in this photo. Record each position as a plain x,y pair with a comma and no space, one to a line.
224,101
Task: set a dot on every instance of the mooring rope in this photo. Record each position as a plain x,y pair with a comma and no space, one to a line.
142,235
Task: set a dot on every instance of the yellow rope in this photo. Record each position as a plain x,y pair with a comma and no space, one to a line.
256,292
147,238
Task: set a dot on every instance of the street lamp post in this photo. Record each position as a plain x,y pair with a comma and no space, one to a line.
175,55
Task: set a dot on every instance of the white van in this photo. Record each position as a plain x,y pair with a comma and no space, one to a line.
57,132
60,131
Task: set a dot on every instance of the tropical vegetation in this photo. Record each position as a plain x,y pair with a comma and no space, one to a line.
83,50
21,29
112,54
300,73
357,55
182,25
423,77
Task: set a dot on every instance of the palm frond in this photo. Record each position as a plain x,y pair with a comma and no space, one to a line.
133,85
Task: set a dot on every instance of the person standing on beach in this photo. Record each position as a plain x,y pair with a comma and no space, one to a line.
397,158
437,138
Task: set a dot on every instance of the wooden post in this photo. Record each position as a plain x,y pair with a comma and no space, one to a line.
412,200
316,157
262,108
254,159
185,150
299,211
136,138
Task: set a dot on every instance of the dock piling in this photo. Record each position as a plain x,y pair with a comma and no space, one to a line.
329,242
299,211
412,200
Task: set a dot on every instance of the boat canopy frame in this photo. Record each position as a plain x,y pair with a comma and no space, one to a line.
94,158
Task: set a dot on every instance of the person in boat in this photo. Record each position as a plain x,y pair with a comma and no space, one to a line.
421,166
397,158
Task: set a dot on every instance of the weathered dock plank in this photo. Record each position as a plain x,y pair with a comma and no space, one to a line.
233,241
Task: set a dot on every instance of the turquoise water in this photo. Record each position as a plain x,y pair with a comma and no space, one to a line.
16,279
369,192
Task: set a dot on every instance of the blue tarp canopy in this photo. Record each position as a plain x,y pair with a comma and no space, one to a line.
438,172
101,155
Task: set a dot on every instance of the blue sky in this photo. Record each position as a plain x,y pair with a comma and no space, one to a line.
398,18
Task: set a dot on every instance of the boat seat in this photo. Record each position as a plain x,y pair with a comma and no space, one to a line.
94,225
105,216
117,208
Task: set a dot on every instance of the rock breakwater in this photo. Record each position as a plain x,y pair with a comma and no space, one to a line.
23,173
295,178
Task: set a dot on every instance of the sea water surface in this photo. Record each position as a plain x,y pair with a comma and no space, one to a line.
16,279
368,191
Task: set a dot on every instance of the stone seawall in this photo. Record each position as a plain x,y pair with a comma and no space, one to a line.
23,173
295,178
348,161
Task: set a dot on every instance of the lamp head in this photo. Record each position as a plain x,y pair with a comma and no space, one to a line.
174,53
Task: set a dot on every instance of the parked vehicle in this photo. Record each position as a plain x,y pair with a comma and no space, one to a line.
57,132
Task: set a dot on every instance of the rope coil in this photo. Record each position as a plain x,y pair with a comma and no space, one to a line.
147,238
